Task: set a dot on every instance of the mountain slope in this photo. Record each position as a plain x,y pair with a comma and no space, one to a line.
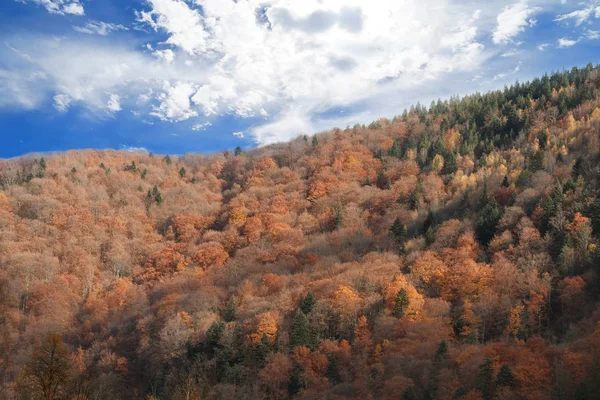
448,253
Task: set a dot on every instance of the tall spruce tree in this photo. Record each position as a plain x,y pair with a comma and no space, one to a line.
488,220
401,303
307,303
230,313
485,378
300,334
398,230
505,377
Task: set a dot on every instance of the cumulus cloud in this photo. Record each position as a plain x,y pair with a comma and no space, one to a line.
60,7
99,28
512,21
167,55
175,104
114,103
260,57
565,42
62,102
82,70
182,23
284,63
238,134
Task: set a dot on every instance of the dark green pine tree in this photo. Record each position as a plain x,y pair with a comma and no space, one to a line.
182,172
485,197
401,303
214,333
460,392
338,217
131,167
43,164
262,350
558,193
449,163
593,385
487,222
315,141
167,159
413,200
580,168
536,162
157,196
398,230
383,181
148,199
396,149
595,215
551,207
307,303
429,236
409,394
333,373
548,211
485,376
505,377
230,313
441,350
300,334
238,151
505,182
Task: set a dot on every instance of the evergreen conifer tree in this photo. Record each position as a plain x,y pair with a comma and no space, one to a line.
401,303
300,335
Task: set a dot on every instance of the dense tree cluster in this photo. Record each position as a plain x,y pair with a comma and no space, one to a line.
449,253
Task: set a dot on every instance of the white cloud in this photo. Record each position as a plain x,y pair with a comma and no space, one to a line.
284,62
582,15
238,134
62,102
512,21
167,55
182,23
114,103
509,73
175,102
260,57
543,46
564,43
99,28
511,53
201,126
592,35
133,149
60,7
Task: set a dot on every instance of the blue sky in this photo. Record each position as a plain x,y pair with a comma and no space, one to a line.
175,76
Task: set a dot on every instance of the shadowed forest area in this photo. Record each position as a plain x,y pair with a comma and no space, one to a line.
449,253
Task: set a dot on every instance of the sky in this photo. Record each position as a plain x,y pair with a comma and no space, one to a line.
179,76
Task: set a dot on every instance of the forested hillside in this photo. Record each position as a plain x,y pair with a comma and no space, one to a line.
448,253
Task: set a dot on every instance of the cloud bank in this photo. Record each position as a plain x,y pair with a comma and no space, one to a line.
290,67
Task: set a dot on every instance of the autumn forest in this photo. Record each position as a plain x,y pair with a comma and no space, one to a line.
451,252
